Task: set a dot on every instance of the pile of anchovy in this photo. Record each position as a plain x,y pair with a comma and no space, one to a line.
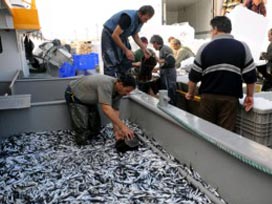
48,167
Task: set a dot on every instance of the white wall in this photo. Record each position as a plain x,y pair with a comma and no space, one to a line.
171,17
197,14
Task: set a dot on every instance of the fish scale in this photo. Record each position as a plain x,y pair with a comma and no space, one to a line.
48,167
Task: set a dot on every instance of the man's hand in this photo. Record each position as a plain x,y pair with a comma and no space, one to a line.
118,135
147,54
136,64
248,103
127,133
189,96
156,69
130,55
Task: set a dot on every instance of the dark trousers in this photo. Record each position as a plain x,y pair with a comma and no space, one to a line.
114,59
85,118
267,82
220,110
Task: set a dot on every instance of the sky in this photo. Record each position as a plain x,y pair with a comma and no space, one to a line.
83,19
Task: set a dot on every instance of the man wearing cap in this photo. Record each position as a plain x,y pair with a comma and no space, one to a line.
86,93
116,50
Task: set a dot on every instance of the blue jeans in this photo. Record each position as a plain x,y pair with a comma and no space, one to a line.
168,81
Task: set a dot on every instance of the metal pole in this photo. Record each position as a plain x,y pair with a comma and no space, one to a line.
164,21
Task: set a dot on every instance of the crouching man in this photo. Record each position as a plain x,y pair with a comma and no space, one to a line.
83,97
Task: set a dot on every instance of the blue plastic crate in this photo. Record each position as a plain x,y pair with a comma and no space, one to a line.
67,70
86,61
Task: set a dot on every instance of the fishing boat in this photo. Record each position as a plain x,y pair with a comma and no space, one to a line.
241,169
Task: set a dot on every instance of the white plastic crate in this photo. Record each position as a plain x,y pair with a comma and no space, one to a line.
265,140
266,95
257,123
258,130
256,115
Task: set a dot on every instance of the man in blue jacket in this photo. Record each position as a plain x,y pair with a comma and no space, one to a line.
116,51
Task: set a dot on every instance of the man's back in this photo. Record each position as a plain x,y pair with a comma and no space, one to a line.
93,88
222,63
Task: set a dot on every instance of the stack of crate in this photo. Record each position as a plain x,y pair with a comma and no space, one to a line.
256,124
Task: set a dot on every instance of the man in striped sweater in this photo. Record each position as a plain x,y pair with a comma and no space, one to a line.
221,66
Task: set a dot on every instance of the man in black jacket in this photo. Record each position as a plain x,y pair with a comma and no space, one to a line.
222,65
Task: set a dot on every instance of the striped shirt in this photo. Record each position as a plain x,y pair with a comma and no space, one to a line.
222,65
